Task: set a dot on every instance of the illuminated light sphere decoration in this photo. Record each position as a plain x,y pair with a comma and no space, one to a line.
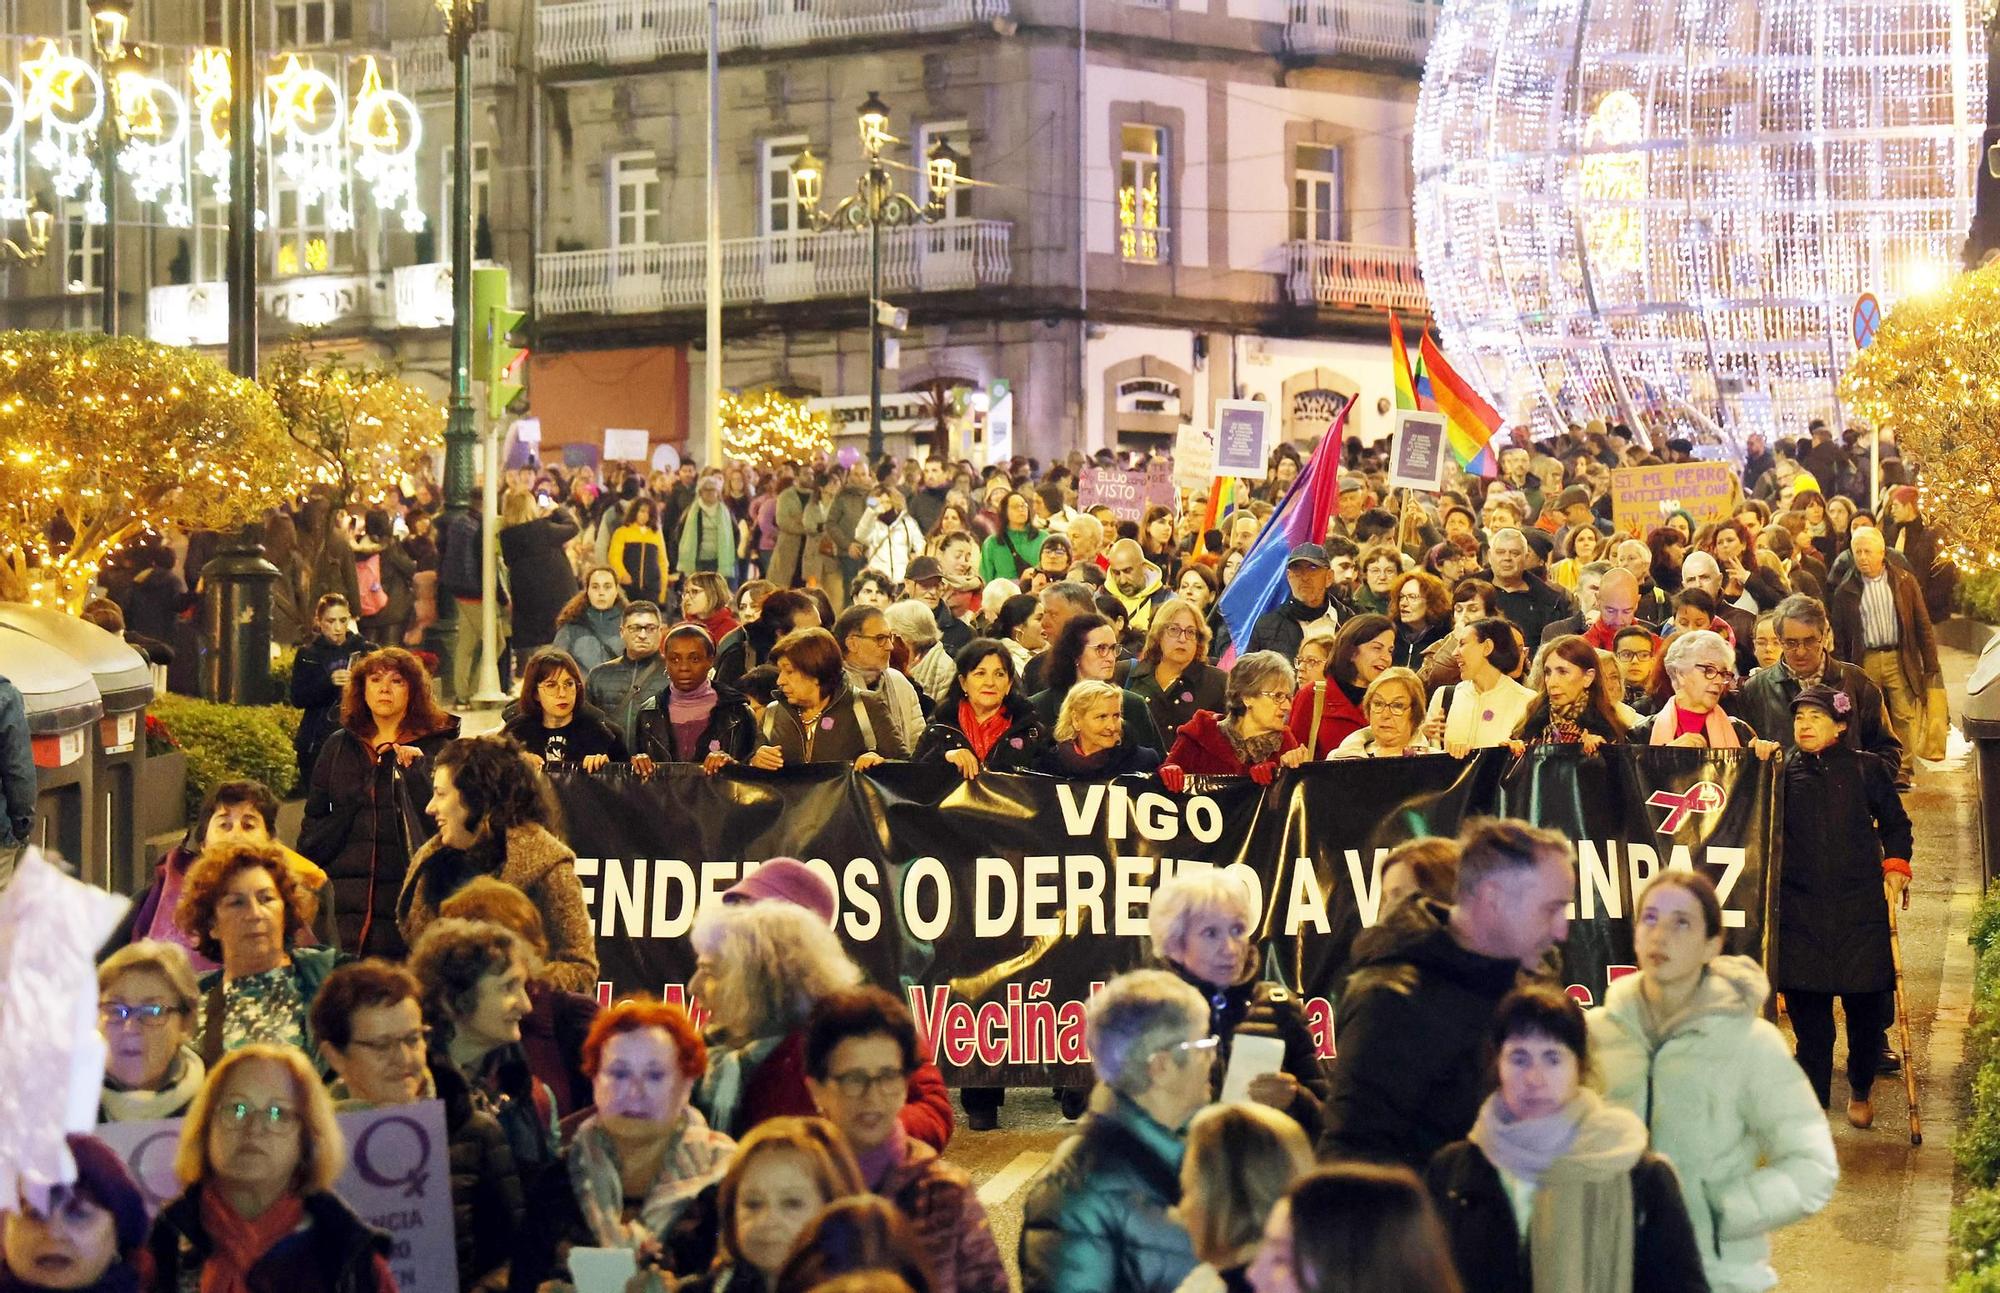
1931,380
769,430
1664,211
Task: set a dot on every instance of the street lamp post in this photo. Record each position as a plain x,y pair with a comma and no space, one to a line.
876,204
461,432
40,225
109,21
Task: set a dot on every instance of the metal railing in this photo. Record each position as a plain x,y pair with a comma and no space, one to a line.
1354,274
953,256
587,32
1392,29
423,65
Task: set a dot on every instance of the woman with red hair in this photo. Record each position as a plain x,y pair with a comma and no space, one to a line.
642,1169
364,805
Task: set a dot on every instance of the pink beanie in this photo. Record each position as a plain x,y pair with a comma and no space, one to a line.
784,880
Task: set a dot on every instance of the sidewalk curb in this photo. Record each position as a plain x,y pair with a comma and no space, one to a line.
1924,1263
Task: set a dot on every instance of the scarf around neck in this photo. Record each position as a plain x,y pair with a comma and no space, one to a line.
1716,727
184,1079
239,1244
688,713
695,1158
1581,1232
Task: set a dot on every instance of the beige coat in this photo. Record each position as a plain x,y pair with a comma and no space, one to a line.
540,866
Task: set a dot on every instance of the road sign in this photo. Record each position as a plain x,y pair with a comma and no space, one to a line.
1867,319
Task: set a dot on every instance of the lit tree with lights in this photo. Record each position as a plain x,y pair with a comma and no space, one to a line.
1931,381
769,430
116,436
360,429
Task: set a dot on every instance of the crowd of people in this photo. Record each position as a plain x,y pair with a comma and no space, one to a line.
425,935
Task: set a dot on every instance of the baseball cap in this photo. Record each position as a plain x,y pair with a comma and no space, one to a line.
1310,554
921,569
1574,496
1351,483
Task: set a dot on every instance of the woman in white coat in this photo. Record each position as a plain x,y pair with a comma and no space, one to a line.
1683,1045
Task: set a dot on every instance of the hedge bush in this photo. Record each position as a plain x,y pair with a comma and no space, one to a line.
1979,596
1975,1221
224,742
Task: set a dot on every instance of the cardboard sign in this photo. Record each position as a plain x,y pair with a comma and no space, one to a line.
1641,497
398,1179
1242,438
1127,493
1417,451
626,444
1194,457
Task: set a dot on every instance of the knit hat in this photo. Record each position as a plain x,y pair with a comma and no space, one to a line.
1904,494
784,880
1820,696
101,1173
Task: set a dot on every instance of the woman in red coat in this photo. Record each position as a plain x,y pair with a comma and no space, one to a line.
1364,647
1251,741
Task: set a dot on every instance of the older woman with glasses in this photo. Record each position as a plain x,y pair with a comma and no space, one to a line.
1701,667
1086,649
1252,740
146,1002
1092,738
1394,703
1172,674
259,1153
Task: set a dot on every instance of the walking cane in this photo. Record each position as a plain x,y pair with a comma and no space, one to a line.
1903,1025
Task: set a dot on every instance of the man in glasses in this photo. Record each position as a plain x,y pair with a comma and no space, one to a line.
865,645
1766,699
369,1020
618,687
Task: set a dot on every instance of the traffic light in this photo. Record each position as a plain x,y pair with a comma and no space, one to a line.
494,360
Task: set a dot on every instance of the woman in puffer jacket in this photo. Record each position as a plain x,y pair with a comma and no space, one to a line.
1683,1045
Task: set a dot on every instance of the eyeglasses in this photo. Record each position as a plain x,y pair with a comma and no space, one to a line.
1199,1046
238,1114
559,682
383,1047
1632,657
149,1016
856,1085
1394,708
1716,672
1181,632
1102,648
1800,644
883,640
643,628
1282,697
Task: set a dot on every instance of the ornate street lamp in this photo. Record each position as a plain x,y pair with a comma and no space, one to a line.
39,226
461,432
110,20
876,204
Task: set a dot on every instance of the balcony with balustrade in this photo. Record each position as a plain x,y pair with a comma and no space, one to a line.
1398,31
423,65
594,33
1354,276
956,256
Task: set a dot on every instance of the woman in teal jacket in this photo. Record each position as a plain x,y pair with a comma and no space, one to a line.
1017,549
1683,1045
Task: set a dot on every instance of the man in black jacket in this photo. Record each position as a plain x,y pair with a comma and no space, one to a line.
618,687
1766,699
1525,598
1310,576
1413,1016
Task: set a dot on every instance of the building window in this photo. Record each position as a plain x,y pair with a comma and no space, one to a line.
83,251
1142,194
1316,190
77,25
303,241
482,196
780,213
312,22
635,199
956,134
211,240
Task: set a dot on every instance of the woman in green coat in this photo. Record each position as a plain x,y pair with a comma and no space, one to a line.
1017,549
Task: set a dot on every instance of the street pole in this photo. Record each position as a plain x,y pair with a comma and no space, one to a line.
107,149
874,339
461,432
245,87
712,374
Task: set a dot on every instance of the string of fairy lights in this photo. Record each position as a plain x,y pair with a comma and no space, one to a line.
120,438
1931,381
768,430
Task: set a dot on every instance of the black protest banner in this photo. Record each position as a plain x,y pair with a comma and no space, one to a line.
995,906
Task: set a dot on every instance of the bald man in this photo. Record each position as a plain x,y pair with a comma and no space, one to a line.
1880,623
1139,586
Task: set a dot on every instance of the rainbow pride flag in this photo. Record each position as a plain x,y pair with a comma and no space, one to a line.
1399,356
1470,421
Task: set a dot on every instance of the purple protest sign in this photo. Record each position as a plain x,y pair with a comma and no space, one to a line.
1127,493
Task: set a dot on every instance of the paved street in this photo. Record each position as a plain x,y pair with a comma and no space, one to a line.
1886,1229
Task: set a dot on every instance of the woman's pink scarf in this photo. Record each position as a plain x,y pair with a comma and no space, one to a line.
1721,733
